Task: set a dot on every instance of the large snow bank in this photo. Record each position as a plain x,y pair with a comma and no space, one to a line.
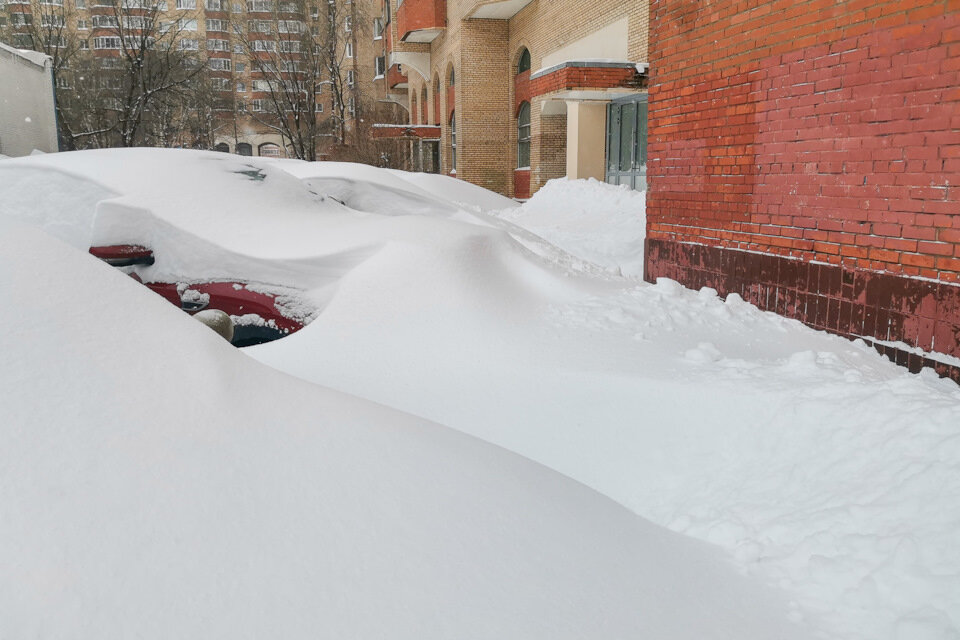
601,223
156,483
821,468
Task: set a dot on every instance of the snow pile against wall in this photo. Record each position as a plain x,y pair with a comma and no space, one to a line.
601,223
157,483
819,467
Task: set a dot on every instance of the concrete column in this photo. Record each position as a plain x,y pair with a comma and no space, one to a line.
586,139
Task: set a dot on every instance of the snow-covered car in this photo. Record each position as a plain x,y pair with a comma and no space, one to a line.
257,310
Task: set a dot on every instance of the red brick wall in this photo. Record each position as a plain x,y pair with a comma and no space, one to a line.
584,78
823,130
521,183
420,14
451,100
521,90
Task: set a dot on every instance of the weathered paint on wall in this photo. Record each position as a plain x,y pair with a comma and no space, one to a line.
27,110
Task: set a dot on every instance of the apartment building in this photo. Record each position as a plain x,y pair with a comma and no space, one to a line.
508,94
262,64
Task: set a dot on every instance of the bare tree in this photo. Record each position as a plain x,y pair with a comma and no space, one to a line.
159,58
302,56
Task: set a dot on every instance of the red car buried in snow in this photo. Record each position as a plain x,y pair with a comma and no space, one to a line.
260,313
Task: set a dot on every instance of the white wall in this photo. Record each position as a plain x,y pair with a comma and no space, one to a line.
27,112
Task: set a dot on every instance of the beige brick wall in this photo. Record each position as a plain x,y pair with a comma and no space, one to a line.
485,54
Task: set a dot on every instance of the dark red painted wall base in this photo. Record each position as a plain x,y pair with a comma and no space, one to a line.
521,183
854,303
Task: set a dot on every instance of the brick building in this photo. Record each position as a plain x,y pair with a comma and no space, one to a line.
508,94
87,39
806,155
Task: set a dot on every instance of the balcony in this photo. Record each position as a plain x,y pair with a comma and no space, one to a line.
396,79
496,9
421,20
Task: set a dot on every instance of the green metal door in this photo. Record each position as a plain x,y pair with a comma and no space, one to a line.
627,142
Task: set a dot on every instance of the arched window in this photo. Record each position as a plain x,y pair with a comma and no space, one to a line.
222,147
453,77
269,150
413,109
524,64
436,100
244,149
423,105
453,141
523,136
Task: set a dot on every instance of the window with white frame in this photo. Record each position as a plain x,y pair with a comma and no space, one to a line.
81,4
82,25
377,28
186,4
187,24
259,5
137,22
261,85
219,64
21,19
351,78
380,66
84,45
218,45
453,141
105,21
264,45
56,3
289,26
349,50
213,5
216,25
236,7
258,105
260,26
290,46
51,20
106,42
348,24
290,66
63,82
241,67
352,106
189,44
241,87
220,84
523,136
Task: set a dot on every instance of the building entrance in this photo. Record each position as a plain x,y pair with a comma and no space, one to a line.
627,142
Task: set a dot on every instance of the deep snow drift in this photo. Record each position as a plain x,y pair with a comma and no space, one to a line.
157,483
822,469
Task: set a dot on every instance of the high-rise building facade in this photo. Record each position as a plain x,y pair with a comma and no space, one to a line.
255,77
